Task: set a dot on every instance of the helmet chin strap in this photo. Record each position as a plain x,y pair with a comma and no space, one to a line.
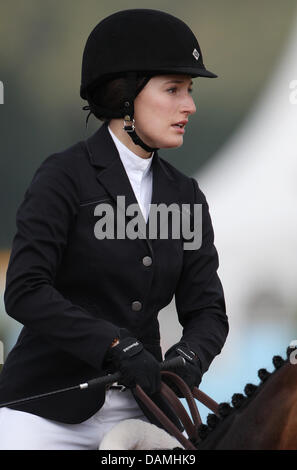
127,111
129,122
129,127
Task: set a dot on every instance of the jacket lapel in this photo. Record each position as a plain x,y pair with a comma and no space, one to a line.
112,175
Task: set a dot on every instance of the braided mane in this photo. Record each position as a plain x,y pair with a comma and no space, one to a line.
238,400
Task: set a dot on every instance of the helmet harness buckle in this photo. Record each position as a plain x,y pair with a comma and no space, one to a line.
129,124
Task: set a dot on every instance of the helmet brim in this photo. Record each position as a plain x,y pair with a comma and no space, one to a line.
193,71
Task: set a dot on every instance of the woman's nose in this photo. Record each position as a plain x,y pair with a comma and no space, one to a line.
189,105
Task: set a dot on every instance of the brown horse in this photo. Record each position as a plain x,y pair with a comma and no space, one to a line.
264,419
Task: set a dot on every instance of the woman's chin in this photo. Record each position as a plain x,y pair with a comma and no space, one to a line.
168,139
172,143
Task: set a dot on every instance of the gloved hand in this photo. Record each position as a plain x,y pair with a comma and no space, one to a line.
136,364
191,372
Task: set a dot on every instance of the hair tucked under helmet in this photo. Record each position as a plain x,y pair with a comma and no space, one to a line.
132,46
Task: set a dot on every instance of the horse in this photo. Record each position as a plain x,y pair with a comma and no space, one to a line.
265,418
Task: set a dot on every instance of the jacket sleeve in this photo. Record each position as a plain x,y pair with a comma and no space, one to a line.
44,220
199,296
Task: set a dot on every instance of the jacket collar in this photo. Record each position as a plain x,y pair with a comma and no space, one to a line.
104,155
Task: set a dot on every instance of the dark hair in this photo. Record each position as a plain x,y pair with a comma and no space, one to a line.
111,95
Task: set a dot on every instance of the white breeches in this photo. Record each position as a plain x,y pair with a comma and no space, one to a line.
24,431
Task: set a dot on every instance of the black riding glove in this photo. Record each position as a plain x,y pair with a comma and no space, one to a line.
136,365
190,372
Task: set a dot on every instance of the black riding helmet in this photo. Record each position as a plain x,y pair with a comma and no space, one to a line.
137,43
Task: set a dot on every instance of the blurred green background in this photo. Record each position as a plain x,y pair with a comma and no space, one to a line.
41,46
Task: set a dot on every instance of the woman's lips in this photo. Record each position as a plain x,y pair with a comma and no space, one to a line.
180,130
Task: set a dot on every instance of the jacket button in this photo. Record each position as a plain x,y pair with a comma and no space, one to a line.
147,261
136,306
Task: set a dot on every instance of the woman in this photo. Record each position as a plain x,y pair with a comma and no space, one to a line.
89,303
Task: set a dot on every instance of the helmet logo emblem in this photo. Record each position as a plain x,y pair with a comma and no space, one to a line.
196,54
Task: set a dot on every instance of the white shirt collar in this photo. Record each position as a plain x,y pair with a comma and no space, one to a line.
130,160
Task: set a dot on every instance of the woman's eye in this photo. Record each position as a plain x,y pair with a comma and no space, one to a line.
174,90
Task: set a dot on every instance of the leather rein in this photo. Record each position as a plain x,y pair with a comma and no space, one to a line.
190,425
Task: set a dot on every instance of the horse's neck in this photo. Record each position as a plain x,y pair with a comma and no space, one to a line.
287,402
262,422
267,415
